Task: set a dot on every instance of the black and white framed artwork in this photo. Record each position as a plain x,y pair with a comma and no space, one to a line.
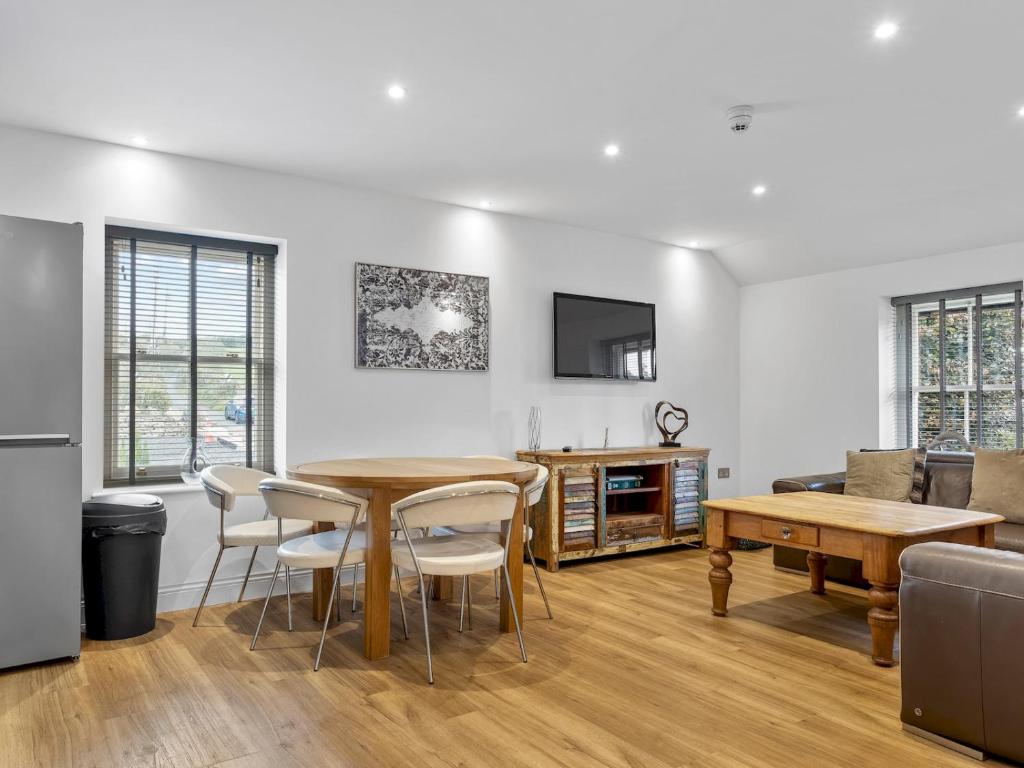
416,318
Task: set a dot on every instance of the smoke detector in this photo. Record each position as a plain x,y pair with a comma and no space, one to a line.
740,117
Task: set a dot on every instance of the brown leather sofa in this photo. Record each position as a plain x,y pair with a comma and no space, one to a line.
962,670
947,483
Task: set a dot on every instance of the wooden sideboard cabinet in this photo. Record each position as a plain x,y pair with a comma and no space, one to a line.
613,500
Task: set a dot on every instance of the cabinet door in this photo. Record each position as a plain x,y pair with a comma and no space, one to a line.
687,495
40,553
40,328
578,502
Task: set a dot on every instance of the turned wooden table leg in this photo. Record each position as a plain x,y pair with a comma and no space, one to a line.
882,571
720,579
884,619
816,562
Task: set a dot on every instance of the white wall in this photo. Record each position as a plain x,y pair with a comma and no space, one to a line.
333,409
816,361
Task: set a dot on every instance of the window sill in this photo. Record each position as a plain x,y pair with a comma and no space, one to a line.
167,489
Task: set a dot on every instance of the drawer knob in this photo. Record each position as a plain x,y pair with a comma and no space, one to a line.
786,532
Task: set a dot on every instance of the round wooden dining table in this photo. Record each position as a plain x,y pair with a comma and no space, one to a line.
387,480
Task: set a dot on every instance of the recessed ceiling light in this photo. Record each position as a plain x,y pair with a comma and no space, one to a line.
611,150
485,204
396,92
140,141
886,29
1020,112
694,244
759,190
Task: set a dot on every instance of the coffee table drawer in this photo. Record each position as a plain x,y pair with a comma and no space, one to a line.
790,533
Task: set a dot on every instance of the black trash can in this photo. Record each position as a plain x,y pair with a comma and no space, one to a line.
121,537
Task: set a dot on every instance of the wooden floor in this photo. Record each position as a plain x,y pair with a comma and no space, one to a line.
633,671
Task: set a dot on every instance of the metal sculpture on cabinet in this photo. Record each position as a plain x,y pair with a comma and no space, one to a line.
668,436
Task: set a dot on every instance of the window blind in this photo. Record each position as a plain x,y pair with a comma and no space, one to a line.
189,364
630,358
958,366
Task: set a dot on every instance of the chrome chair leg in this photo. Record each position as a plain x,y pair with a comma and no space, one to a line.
248,570
469,604
540,584
426,633
355,576
263,613
497,588
327,616
462,602
209,583
401,602
337,601
288,591
515,613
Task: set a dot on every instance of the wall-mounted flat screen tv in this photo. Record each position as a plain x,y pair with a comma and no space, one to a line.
604,339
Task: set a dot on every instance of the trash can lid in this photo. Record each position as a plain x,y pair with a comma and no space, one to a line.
122,504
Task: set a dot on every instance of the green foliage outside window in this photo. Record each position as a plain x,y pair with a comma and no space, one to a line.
998,427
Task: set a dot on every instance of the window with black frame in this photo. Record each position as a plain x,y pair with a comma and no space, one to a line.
189,369
958,366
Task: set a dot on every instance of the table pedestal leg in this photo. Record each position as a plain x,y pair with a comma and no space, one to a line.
442,588
721,580
323,581
816,563
377,629
515,570
884,619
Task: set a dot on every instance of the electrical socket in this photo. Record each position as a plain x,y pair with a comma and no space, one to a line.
723,473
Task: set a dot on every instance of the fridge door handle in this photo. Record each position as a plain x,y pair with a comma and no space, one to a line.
41,439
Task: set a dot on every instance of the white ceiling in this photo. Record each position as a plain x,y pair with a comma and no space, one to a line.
872,151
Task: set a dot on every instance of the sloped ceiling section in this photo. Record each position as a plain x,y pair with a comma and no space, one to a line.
871,151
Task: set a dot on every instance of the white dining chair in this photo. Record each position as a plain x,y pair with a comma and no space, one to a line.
482,501
345,545
223,484
534,491
486,529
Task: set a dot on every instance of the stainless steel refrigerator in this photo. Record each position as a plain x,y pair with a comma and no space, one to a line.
40,440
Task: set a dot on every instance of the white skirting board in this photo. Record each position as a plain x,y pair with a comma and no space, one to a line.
182,596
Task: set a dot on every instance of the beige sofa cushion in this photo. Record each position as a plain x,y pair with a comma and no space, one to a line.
887,475
998,484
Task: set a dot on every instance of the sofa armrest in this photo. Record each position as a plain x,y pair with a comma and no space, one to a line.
961,620
979,569
834,482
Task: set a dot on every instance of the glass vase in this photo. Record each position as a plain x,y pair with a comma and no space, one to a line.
194,462
533,429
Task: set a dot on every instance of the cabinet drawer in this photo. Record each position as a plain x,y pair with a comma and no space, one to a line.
790,532
627,535
633,521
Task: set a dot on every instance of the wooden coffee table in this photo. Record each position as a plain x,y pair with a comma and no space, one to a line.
873,531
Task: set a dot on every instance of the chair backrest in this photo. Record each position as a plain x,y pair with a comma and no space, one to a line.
224,482
488,456
535,488
296,500
480,501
